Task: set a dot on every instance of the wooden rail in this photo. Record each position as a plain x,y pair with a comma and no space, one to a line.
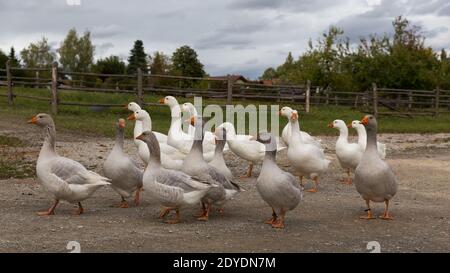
379,101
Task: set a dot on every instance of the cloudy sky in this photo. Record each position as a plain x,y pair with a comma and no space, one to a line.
230,36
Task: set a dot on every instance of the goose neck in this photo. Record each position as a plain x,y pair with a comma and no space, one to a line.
50,140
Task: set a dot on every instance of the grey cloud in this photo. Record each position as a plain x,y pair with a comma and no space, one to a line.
285,5
445,11
435,32
242,37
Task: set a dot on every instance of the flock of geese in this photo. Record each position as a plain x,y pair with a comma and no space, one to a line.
188,168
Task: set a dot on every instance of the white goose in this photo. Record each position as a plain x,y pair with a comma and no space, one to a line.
64,178
179,139
171,158
286,133
362,138
133,107
125,175
306,158
190,108
245,147
348,154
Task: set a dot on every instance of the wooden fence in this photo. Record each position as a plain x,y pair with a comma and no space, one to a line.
379,101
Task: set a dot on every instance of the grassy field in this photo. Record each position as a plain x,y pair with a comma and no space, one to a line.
100,121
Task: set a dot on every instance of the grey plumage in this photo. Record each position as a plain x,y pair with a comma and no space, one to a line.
277,188
195,164
173,189
125,175
374,178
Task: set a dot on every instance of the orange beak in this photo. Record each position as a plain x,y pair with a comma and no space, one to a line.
330,125
125,106
32,120
349,125
122,124
365,120
132,117
279,113
192,120
161,101
294,116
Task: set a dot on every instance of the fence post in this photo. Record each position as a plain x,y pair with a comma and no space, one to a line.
229,91
436,102
140,98
9,83
37,79
375,100
54,88
410,100
308,95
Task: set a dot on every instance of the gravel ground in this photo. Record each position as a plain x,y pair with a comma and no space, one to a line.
326,221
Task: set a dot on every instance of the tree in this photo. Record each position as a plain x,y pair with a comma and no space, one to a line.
137,58
12,56
110,65
160,64
185,62
269,74
38,54
3,60
76,54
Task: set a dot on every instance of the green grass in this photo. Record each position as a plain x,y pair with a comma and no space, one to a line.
10,141
86,120
10,164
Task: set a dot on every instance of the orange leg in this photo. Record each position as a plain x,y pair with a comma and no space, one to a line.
221,211
316,182
202,212
176,219
80,209
272,220
123,204
51,210
369,215
386,215
205,217
301,181
279,223
137,197
249,171
164,212
347,181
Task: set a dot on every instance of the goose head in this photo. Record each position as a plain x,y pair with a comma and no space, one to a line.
120,124
338,124
188,107
220,134
268,140
286,111
169,100
356,124
132,106
229,129
41,120
152,143
370,123
140,115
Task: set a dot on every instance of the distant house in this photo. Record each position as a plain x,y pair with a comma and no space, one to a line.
234,78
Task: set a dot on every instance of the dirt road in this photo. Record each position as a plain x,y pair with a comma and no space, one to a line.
326,221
